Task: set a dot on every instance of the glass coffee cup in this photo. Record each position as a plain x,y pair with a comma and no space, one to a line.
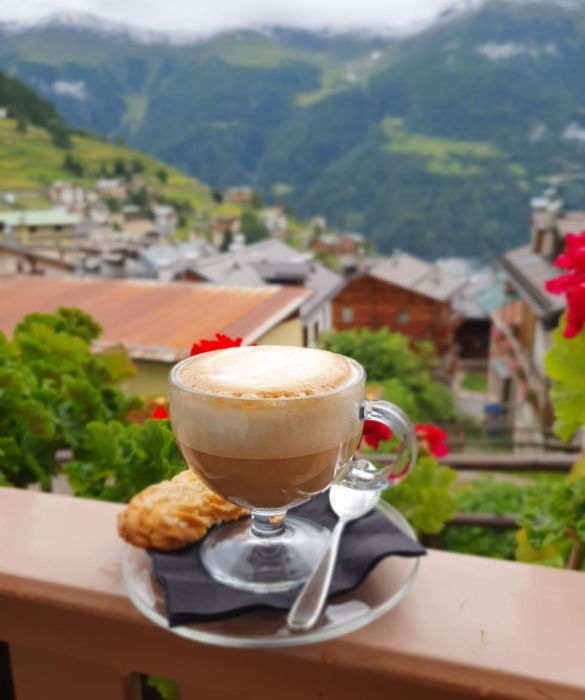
268,428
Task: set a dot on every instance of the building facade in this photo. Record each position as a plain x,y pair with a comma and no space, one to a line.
522,326
403,294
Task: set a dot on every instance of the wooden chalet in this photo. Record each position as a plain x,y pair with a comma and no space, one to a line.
404,294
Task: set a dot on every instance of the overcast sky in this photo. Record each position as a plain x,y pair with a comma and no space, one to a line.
212,15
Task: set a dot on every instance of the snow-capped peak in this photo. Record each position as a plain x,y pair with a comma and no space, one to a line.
87,22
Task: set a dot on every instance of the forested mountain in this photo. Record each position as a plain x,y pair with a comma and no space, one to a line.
23,103
433,142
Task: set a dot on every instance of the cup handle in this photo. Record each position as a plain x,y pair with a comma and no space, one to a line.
363,474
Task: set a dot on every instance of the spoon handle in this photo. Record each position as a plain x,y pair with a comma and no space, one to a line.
308,606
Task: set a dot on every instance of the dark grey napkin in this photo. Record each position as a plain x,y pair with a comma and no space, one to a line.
193,596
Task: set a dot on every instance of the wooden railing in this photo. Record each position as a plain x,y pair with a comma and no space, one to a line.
468,628
473,461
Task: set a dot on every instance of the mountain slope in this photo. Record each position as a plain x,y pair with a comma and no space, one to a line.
441,152
433,142
31,157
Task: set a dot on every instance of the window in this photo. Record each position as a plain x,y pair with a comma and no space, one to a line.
347,314
403,317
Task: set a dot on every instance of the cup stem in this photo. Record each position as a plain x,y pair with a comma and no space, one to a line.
268,523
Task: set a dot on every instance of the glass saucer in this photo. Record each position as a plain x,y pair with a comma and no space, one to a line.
384,588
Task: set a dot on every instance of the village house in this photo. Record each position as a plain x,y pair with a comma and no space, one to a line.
327,244
111,260
240,195
472,336
523,323
158,322
275,221
173,261
68,195
318,222
273,262
22,259
112,187
339,244
221,226
98,213
49,227
135,220
404,294
165,220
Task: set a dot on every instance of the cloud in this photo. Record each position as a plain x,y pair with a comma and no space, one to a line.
204,16
74,89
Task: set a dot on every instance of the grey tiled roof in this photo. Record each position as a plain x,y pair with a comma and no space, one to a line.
527,272
256,263
177,257
283,271
404,270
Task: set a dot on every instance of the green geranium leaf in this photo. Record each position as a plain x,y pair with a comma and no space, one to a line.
425,497
565,365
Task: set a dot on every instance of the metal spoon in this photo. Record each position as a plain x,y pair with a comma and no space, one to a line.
349,504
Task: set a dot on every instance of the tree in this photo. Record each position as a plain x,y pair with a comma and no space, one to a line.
51,387
228,239
256,200
315,235
21,125
120,169
137,165
401,367
113,204
252,227
60,135
72,165
139,197
162,176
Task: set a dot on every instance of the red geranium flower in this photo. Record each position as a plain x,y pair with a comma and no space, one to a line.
434,438
219,343
374,432
574,256
160,413
572,283
575,312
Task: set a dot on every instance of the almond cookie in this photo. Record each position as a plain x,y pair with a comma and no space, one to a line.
174,513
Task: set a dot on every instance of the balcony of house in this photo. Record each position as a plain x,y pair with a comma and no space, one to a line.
516,383
468,628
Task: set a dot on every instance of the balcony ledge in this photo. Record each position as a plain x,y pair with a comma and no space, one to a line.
469,627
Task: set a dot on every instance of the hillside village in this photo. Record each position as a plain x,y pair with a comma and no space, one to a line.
128,225
99,216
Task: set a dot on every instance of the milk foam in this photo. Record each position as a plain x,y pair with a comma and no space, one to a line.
267,371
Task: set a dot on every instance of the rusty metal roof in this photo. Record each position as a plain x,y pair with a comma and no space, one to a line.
154,320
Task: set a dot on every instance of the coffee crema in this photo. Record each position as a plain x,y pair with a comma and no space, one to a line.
267,426
267,371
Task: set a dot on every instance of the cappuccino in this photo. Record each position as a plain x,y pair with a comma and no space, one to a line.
267,371
268,426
